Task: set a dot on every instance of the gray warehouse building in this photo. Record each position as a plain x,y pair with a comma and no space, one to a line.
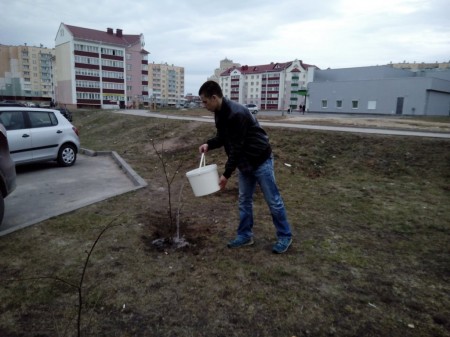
379,90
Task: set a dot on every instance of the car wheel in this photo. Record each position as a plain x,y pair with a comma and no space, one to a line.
67,155
2,208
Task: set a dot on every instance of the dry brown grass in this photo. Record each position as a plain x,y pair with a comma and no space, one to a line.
370,255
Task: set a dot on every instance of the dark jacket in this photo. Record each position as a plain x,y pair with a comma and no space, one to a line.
246,143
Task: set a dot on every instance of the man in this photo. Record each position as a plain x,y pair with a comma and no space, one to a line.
248,149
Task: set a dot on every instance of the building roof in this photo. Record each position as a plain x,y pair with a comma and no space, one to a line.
108,36
264,68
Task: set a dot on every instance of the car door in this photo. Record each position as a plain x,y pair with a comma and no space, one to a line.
45,134
19,135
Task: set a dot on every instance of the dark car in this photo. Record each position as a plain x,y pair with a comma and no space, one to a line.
10,103
7,171
66,113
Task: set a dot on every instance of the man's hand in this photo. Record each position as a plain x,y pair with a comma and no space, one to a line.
223,182
203,148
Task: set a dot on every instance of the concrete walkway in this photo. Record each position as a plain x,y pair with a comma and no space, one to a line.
46,190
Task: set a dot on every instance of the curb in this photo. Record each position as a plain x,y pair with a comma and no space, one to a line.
137,180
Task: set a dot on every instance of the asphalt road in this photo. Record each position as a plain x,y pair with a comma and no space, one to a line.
46,190
210,119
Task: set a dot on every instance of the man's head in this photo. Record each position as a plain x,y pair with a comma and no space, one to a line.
211,95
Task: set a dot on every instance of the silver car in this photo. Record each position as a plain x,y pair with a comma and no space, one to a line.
36,135
7,171
252,108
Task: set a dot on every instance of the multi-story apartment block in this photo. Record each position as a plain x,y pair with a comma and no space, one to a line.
100,69
277,86
27,73
166,83
225,64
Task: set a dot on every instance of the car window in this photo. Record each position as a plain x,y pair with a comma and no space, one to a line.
12,120
41,119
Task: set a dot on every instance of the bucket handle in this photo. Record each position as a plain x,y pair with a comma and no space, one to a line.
202,160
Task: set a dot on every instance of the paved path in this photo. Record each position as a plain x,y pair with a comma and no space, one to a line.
379,131
46,190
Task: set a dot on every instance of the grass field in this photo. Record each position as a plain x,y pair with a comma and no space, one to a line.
370,256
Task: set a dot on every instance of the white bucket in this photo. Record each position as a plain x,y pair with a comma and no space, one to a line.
205,179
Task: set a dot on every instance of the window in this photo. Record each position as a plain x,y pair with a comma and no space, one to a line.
86,60
12,120
355,104
111,85
87,72
41,119
112,63
87,84
324,104
109,51
88,95
339,104
371,105
112,74
82,47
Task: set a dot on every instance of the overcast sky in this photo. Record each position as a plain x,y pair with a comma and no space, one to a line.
198,34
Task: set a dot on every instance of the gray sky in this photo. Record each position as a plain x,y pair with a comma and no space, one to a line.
198,34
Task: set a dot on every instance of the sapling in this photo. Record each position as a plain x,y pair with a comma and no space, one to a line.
174,221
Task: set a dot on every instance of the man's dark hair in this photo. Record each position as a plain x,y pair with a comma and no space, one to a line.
210,88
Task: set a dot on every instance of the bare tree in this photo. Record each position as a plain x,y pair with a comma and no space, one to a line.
174,220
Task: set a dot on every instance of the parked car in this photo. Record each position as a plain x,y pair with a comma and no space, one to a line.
36,134
10,103
252,108
7,171
66,113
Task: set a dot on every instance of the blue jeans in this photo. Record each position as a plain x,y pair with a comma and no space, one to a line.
265,177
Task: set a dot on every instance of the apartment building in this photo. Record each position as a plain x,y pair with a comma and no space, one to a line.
274,86
27,73
100,69
166,84
224,64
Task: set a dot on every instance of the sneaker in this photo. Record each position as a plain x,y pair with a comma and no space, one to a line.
282,245
240,242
